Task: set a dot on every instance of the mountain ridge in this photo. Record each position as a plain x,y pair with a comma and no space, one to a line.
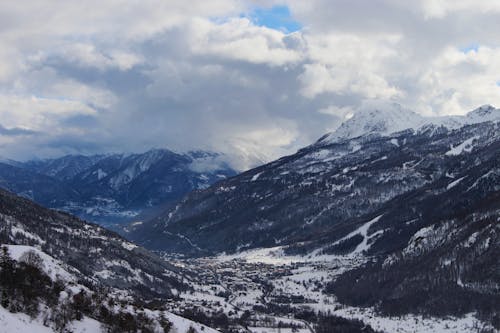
394,118
93,253
113,188
322,174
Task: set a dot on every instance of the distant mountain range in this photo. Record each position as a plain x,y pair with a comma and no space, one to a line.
114,188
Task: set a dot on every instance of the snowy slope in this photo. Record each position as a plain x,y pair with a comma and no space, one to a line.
89,251
22,323
54,268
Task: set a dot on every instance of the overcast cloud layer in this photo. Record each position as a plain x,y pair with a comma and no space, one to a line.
100,76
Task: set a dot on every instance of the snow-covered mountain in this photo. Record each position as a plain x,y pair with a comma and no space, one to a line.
62,168
393,224
421,200
334,183
394,118
116,187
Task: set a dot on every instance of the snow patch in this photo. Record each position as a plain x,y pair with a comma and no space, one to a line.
129,246
465,146
384,119
363,231
454,183
101,174
256,176
52,267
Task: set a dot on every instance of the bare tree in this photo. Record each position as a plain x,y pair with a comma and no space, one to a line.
33,259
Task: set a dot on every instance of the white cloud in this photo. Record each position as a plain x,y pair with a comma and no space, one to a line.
120,75
87,55
239,39
441,8
35,113
457,82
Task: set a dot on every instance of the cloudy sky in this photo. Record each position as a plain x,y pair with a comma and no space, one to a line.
253,79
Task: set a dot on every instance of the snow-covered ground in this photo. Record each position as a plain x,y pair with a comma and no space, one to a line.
300,276
182,325
22,323
52,267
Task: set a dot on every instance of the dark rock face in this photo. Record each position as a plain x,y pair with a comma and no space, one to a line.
114,188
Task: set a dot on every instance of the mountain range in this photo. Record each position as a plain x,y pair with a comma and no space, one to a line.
392,211
317,197
113,188
418,201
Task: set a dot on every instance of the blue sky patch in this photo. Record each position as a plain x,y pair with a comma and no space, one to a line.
469,48
277,17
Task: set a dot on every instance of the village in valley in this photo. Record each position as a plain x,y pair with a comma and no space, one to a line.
265,291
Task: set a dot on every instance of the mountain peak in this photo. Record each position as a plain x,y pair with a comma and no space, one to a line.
392,118
484,113
484,109
378,120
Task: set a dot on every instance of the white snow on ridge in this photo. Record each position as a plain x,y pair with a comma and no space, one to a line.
454,183
390,119
16,230
101,174
387,119
255,177
129,246
465,146
491,173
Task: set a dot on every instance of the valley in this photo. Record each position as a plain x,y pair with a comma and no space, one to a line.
265,291
396,230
